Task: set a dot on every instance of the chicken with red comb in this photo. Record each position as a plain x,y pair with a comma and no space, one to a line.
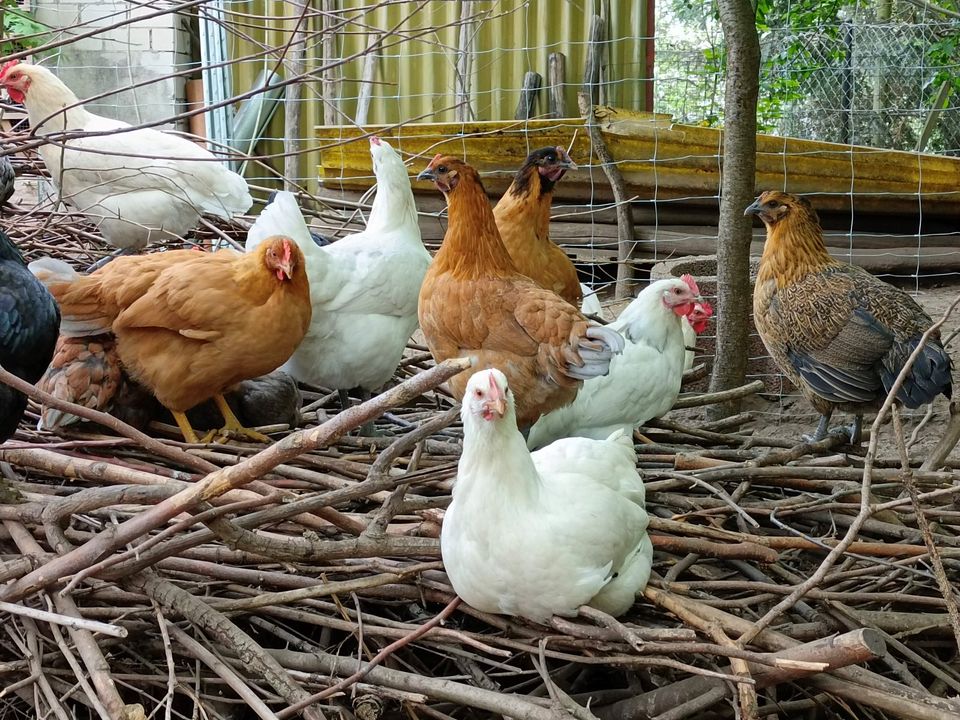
189,325
644,381
136,186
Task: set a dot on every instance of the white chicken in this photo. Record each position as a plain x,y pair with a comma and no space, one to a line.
693,324
137,187
541,534
363,287
643,381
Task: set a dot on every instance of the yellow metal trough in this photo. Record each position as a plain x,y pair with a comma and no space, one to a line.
662,161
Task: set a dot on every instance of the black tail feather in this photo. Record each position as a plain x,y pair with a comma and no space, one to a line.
931,374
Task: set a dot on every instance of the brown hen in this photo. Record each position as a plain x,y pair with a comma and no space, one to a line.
840,334
475,303
189,325
523,219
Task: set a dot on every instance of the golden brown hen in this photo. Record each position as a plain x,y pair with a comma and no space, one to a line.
475,303
840,334
523,219
189,325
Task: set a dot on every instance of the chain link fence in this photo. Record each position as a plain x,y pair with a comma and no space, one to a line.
860,80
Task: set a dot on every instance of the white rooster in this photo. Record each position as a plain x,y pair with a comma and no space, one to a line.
363,287
139,186
643,381
541,534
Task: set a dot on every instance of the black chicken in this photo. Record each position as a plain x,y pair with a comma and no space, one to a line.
29,326
7,177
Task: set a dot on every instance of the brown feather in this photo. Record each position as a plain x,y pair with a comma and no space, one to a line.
840,334
523,219
189,325
475,303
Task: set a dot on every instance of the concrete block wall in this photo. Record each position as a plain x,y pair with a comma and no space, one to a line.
146,49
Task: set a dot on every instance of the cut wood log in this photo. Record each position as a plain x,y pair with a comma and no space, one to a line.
556,85
527,107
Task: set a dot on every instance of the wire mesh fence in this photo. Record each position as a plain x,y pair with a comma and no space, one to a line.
286,92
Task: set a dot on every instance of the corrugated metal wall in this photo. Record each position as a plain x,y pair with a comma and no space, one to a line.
415,80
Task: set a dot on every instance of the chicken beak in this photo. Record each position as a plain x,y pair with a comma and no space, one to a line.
427,174
565,161
496,404
754,208
285,270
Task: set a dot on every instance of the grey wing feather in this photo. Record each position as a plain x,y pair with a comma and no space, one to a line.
596,351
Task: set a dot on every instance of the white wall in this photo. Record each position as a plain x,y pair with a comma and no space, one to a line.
143,50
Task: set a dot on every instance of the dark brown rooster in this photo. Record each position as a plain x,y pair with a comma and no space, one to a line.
523,219
840,334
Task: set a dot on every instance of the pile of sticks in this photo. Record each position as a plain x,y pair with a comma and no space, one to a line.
142,575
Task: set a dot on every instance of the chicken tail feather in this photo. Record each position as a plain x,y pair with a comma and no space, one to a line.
596,349
50,270
930,375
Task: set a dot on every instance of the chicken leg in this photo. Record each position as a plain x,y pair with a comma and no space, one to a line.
853,431
232,427
189,434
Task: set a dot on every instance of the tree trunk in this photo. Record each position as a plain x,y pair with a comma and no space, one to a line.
736,191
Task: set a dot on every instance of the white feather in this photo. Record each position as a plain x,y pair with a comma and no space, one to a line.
137,186
541,534
643,381
363,287
590,305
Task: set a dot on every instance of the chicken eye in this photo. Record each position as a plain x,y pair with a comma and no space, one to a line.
442,169
478,393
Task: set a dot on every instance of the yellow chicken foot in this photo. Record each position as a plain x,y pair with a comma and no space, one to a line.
231,425
189,435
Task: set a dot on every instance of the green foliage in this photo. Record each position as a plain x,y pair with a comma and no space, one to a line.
20,30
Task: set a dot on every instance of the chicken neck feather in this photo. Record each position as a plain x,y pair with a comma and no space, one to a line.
794,248
472,247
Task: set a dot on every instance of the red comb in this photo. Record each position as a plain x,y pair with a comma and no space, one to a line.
691,283
705,309
286,250
436,157
6,66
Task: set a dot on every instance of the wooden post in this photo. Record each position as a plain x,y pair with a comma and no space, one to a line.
603,77
625,230
591,73
463,111
556,82
294,67
331,76
529,93
367,79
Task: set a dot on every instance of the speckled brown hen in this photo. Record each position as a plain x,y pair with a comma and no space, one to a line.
523,219
840,334
475,303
